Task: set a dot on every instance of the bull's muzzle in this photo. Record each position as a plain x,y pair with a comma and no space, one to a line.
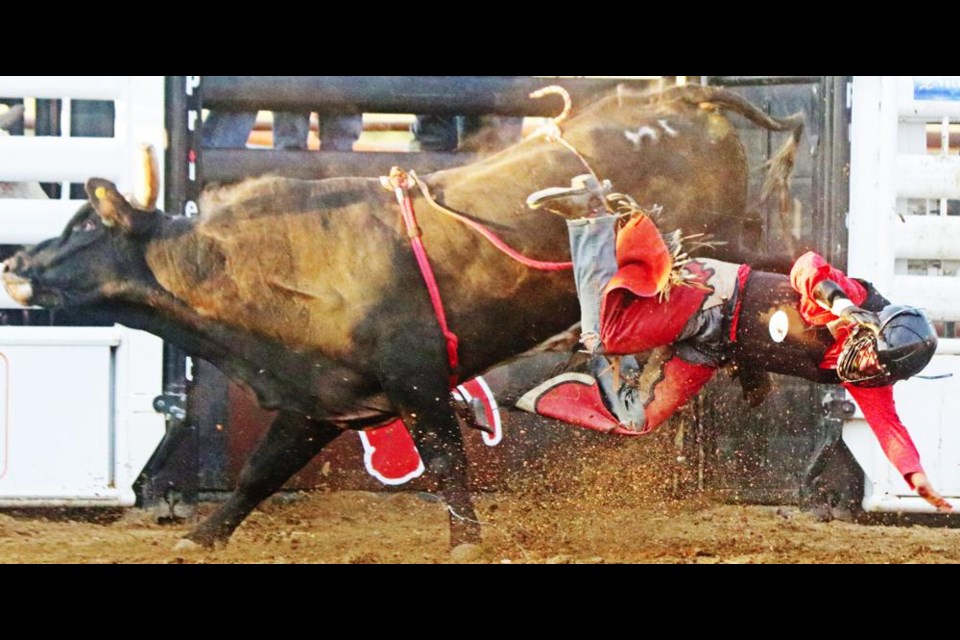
18,287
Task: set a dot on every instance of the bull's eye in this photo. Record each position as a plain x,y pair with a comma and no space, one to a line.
88,225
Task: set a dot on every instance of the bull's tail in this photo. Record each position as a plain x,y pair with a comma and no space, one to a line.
780,166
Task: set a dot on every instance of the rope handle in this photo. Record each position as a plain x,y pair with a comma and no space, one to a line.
493,238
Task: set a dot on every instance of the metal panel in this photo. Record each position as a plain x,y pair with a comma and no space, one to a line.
503,95
57,450
888,166
228,165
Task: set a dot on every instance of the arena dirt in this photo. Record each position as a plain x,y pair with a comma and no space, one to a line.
624,509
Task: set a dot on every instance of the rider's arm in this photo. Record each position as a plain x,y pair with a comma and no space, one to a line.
881,414
821,286
880,411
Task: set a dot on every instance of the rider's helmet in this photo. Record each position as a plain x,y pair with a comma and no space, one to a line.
901,348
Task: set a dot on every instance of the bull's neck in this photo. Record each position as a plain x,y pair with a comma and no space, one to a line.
173,253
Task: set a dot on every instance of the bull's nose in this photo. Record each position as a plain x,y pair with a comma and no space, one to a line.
10,265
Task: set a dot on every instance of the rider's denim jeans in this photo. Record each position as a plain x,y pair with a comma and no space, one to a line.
593,249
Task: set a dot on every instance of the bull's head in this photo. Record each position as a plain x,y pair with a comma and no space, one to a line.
99,253
101,247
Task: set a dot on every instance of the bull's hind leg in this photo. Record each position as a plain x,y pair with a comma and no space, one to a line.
423,400
291,442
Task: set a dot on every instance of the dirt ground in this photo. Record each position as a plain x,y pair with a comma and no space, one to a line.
399,528
617,512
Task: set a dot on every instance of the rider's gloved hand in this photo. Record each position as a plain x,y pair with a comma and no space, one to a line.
857,315
830,295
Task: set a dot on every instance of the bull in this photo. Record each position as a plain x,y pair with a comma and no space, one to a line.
308,291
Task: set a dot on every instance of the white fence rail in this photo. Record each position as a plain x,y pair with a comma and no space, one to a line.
52,159
890,165
138,119
58,87
88,446
30,221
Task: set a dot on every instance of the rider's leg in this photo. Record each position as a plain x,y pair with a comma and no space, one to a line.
593,249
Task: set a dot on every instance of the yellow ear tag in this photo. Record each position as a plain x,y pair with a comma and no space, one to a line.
100,192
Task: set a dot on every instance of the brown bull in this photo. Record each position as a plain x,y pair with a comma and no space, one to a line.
308,291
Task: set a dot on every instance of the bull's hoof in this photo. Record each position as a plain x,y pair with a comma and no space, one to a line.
204,540
188,546
466,552
209,535
464,534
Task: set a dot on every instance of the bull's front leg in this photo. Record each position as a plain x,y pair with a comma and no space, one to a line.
290,443
422,396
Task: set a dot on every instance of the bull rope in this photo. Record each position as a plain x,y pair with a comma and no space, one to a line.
401,183
494,239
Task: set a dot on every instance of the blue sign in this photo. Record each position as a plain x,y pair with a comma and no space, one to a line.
936,87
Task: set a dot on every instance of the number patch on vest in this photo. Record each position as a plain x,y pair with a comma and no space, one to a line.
779,326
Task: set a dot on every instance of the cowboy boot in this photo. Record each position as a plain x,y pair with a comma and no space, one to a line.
586,196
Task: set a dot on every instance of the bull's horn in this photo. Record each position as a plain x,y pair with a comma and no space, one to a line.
146,181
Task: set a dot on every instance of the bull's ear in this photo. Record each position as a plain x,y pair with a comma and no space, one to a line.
113,208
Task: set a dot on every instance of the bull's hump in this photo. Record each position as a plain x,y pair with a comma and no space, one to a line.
304,278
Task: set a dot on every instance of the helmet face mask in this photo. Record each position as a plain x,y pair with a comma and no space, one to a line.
901,348
859,362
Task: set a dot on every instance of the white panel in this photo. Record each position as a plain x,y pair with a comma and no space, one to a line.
938,296
928,176
79,87
89,446
873,148
4,416
30,221
927,237
948,347
52,159
887,162
58,449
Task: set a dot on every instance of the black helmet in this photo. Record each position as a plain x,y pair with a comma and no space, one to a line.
904,345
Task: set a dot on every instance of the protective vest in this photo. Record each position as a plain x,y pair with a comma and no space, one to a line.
769,333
